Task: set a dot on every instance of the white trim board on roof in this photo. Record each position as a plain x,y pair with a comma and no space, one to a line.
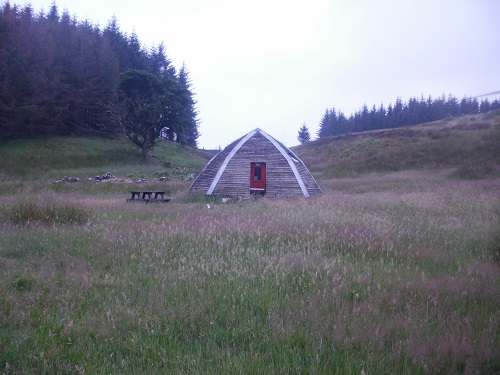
290,162
203,170
227,160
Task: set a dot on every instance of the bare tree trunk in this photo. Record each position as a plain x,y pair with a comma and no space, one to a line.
145,150
145,146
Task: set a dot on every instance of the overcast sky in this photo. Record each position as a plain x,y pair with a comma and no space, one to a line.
276,64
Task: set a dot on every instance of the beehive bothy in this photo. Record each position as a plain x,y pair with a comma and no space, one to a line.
256,163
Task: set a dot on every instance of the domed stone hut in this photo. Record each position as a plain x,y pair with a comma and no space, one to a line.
256,163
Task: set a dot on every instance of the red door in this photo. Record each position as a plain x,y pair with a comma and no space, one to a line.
258,176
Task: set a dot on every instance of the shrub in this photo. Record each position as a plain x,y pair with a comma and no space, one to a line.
56,213
473,171
23,283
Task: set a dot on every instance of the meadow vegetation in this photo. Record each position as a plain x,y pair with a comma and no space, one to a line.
469,146
391,270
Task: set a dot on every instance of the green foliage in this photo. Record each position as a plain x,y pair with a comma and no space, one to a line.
415,111
473,171
23,283
304,134
145,102
186,125
70,85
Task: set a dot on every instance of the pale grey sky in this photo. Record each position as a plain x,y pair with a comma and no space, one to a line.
276,64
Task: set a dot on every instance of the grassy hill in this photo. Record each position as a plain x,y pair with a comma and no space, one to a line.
393,270
77,155
33,163
468,146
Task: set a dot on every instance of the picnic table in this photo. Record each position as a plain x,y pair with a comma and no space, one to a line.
148,196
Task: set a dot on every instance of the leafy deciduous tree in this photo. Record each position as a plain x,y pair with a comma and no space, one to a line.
143,99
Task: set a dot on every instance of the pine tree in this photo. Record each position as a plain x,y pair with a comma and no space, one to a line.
343,123
475,106
495,104
382,117
363,119
323,125
390,116
304,134
187,122
137,55
328,124
373,119
452,106
398,114
119,43
485,106
159,64
58,75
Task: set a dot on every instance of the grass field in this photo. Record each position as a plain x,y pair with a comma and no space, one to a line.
391,270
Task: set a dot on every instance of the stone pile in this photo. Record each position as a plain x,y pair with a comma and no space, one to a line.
106,176
66,179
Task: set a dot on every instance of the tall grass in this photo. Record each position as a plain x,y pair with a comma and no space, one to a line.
28,212
400,279
384,273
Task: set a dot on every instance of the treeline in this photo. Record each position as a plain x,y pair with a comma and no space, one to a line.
415,111
59,75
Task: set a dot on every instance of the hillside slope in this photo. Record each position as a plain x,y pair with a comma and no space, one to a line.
470,145
53,155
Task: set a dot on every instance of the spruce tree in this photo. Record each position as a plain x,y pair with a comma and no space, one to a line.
485,106
58,75
187,122
329,123
304,134
495,104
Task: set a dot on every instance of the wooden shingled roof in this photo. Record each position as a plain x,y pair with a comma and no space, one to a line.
228,173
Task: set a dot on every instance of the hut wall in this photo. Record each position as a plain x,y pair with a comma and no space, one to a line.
280,180
235,180
205,178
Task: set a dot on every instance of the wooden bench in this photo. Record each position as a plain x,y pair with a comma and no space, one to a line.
145,196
